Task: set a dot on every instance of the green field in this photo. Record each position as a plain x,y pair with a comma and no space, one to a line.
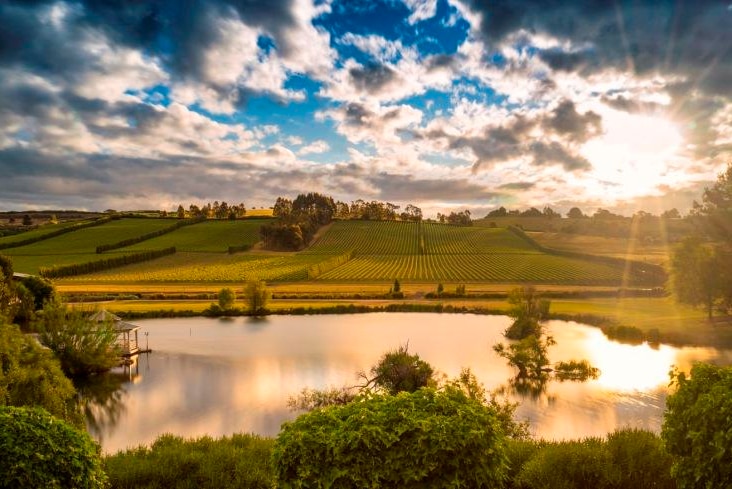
37,232
79,246
380,252
207,236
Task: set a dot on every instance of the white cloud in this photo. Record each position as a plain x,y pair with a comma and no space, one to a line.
316,147
421,10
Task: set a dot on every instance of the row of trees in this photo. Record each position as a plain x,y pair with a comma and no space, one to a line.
358,209
215,210
461,218
297,221
576,213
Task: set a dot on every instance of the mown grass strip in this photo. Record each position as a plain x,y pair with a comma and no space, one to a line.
144,237
58,232
99,265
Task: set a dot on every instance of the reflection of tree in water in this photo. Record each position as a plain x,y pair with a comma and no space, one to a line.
101,399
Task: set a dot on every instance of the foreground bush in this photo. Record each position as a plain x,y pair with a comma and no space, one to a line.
697,427
421,439
239,461
31,376
628,458
39,450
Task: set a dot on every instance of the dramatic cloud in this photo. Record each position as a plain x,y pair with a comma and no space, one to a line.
449,103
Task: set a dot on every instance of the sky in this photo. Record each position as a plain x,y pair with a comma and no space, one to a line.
445,104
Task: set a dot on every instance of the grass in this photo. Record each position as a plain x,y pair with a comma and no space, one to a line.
207,236
633,249
34,233
79,246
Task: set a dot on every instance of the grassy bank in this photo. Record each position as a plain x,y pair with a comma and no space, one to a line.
659,318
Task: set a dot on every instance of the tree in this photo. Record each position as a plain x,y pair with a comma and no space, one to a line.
397,286
256,296
528,310
398,371
500,212
39,450
671,214
227,297
697,427
696,274
181,212
528,355
27,221
41,289
550,213
716,207
32,376
83,345
575,213
533,212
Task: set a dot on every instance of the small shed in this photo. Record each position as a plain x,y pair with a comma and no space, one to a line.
127,338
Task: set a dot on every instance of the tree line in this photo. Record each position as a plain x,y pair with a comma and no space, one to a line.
577,213
215,210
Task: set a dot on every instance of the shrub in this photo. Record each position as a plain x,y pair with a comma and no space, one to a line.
570,465
31,376
420,439
83,345
226,298
39,450
172,462
641,459
398,371
697,427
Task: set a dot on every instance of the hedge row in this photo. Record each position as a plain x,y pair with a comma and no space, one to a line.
146,236
239,248
106,264
319,269
646,272
58,232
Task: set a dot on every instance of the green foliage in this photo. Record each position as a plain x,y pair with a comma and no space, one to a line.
310,399
397,286
41,289
420,439
39,450
697,427
528,355
83,346
31,376
398,371
528,310
440,289
696,274
627,459
226,297
716,207
239,461
570,465
105,264
641,458
256,296
575,370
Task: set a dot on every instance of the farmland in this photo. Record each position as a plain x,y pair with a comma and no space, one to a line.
79,246
347,252
207,236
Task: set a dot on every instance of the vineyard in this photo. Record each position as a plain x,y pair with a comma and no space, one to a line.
212,267
350,251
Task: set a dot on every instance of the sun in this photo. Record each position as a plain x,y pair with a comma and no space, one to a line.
633,154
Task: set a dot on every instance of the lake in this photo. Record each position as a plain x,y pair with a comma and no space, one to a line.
221,376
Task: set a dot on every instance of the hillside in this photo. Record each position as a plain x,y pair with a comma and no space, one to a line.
348,252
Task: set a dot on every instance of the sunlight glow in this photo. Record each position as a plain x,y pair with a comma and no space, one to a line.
632,156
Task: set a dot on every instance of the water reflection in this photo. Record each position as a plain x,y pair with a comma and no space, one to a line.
208,376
